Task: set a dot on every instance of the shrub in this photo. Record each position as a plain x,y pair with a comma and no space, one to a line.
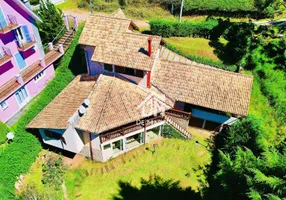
167,28
170,132
22,152
53,171
52,21
34,2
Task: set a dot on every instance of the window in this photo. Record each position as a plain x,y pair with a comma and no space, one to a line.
21,96
3,22
20,60
19,34
108,67
139,73
4,105
107,146
129,71
119,69
51,134
39,76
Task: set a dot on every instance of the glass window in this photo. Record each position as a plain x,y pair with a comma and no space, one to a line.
107,146
20,60
119,69
108,67
139,73
129,71
52,134
4,105
38,76
21,95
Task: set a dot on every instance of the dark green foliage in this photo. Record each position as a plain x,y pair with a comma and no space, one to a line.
3,132
53,171
170,132
22,152
203,60
245,133
167,28
52,21
34,2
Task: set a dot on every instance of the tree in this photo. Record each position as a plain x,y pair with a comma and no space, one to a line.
52,21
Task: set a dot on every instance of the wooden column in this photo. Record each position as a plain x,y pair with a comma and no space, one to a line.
90,145
144,131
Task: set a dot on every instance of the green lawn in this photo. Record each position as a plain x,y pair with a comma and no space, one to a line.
193,46
173,160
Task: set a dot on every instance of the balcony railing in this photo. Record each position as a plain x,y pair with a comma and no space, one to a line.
178,114
7,24
26,44
124,130
5,55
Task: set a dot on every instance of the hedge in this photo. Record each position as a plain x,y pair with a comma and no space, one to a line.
167,28
22,152
216,64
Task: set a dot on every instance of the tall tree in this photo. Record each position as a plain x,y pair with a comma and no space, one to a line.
52,21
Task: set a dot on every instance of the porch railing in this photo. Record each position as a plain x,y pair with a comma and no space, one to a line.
5,55
179,114
8,23
121,131
28,43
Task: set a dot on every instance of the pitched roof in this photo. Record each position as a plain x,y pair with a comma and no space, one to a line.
64,105
118,14
113,102
204,86
115,44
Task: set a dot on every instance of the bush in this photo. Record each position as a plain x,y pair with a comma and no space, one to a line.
170,132
167,28
53,171
22,152
3,132
52,21
34,2
202,60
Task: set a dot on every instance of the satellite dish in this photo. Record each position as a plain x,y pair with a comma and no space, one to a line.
10,136
81,110
86,103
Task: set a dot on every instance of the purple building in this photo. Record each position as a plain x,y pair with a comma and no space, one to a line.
25,69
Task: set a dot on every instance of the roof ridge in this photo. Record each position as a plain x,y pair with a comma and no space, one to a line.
207,67
108,16
142,34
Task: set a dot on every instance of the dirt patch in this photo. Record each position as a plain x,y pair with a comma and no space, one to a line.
73,162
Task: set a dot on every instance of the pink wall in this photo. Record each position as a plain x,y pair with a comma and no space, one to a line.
13,107
9,40
34,87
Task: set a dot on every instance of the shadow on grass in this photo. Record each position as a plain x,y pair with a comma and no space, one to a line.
78,63
155,188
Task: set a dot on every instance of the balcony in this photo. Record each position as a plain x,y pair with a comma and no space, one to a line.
7,24
29,42
124,130
5,55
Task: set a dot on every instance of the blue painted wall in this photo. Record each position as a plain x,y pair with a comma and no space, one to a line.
209,116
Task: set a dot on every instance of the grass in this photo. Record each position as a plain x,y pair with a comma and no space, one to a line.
68,4
193,46
168,162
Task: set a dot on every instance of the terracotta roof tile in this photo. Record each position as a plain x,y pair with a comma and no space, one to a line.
204,86
115,44
113,102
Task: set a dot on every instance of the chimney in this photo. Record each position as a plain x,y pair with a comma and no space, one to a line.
148,79
149,46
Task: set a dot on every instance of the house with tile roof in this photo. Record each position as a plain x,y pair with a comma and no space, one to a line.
132,89
25,69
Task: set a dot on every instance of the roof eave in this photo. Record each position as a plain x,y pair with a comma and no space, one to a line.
26,9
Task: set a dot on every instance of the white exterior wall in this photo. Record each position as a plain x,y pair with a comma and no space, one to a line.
73,141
